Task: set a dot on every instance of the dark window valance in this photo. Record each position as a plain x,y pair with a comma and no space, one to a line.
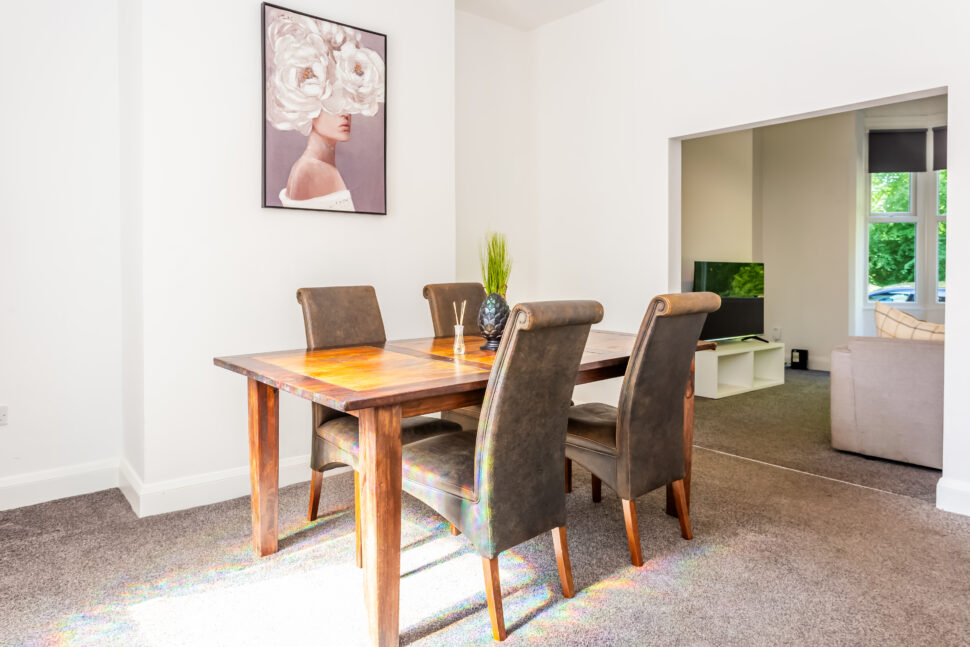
939,148
897,151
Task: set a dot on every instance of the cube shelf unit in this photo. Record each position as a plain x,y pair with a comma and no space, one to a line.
738,367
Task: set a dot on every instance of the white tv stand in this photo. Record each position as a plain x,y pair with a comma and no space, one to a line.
738,367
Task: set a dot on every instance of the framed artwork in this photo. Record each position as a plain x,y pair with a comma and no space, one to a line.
324,120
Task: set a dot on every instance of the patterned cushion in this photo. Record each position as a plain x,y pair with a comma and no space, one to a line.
897,324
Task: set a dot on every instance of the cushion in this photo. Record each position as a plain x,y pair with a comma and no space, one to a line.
446,463
592,426
894,323
343,432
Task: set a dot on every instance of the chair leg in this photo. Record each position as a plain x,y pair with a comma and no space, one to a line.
454,530
632,530
316,482
359,551
562,561
597,488
680,500
493,592
569,476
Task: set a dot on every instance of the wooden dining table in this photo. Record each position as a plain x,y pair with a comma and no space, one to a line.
380,384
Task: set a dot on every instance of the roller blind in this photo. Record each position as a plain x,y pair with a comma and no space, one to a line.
897,151
939,148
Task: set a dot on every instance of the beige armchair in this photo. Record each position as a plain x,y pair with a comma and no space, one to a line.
887,399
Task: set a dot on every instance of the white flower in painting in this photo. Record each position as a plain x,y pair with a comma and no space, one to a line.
303,75
338,35
359,75
318,66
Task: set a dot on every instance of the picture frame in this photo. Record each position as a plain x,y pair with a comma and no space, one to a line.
324,115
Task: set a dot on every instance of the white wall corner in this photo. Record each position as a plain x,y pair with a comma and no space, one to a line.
148,499
47,485
953,495
817,363
675,281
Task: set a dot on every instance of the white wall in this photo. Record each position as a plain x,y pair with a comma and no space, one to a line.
784,195
617,82
60,316
586,123
220,273
495,147
808,198
131,107
136,250
717,200
736,66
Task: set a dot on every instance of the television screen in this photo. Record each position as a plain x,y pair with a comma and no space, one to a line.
737,317
741,287
730,279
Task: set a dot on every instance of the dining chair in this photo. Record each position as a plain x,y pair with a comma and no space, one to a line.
639,446
347,316
441,297
503,485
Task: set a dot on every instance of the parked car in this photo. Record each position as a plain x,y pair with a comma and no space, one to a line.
902,294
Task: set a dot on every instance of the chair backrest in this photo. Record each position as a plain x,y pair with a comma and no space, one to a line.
650,422
339,316
521,443
440,298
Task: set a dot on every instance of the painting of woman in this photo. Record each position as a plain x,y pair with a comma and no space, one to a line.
324,114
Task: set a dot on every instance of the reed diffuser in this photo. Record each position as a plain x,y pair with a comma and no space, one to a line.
459,346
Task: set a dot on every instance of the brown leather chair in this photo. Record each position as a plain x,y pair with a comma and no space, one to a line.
503,485
347,316
440,298
639,446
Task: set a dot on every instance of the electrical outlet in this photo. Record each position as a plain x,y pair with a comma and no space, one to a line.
776,333
3,414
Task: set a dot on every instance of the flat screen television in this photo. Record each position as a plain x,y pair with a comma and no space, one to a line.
741,287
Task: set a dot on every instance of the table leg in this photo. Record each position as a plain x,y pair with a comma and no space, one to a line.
380,502
264,465
688,444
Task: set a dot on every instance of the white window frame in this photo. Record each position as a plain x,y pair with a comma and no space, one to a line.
923,207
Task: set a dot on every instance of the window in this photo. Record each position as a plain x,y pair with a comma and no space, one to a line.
892,237
906,225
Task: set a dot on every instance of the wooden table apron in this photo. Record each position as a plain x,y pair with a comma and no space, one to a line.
380,384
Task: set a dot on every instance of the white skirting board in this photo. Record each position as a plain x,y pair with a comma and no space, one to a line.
953,496
145,499
47,485
148,499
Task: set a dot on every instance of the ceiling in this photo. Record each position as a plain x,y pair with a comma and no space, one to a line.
523,14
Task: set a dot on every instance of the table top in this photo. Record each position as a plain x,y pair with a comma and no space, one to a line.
351,378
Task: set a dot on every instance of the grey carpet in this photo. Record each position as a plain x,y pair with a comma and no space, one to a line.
779,557
789,425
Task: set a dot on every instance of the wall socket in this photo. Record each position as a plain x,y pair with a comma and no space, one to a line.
3,415
776,333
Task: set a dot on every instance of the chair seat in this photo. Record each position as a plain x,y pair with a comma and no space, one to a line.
344,433
445,462
592,426
467,417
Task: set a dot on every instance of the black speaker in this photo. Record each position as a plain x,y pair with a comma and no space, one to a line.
799,358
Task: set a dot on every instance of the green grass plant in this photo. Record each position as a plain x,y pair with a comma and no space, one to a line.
496,263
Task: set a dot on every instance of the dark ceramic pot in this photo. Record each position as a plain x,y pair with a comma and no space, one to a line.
492,318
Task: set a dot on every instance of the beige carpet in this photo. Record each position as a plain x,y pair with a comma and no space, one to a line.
779,557
789,425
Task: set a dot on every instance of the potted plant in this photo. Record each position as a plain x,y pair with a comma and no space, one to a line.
496,266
